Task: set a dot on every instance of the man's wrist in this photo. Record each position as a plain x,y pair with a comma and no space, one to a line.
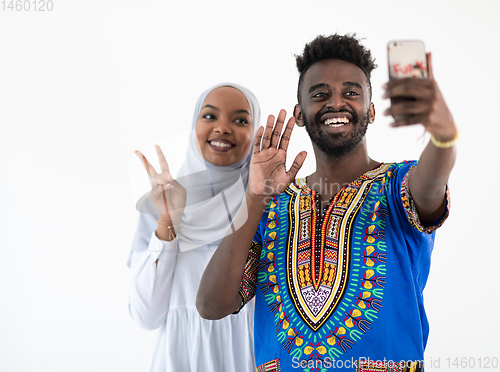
445,141
257,202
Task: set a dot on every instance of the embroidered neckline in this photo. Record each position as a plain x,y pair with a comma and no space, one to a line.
320,220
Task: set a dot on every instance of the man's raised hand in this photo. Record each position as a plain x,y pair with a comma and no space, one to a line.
268,176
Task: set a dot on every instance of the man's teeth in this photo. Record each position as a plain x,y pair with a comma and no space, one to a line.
219,144
336,122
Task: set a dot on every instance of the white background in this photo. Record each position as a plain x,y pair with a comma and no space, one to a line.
84,85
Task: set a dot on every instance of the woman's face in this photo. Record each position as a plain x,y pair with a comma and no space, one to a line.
224,128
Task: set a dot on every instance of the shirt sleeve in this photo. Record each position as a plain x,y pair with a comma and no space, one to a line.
409,204
151,275
248,284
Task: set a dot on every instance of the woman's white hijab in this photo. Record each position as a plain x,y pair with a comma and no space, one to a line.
214,193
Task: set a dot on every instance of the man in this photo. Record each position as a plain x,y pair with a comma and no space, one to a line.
338,260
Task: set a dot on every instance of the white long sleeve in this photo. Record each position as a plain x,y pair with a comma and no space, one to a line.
163,287
152,271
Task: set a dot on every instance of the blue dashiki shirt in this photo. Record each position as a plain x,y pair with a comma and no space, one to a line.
341,289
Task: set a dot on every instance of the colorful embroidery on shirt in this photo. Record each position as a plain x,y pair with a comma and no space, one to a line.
248,282
327,288
411,209
272,366
325,297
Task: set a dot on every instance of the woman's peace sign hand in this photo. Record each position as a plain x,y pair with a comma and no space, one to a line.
167,195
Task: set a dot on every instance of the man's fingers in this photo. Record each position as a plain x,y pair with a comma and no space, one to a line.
297,164
405,108
266,137
275,139
409,120
258,139
149,168
421,89
285,138
430,73
273,132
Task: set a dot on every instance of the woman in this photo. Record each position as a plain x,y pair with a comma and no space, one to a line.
174,243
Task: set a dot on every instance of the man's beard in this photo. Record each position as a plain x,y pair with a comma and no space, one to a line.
337,145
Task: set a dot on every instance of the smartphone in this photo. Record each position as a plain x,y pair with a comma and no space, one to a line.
406,58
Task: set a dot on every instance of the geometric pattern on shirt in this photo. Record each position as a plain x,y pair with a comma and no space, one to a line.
249,279
363,295
411,209
272,366
318,249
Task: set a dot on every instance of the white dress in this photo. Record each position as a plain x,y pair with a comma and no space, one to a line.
164,283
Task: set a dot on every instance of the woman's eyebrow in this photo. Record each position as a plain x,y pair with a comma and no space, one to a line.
210,106
241,111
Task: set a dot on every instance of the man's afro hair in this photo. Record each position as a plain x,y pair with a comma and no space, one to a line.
344,47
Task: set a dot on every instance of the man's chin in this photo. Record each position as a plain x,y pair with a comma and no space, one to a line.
335,151
336,145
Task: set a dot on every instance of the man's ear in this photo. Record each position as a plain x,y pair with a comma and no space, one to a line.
297,114
371,118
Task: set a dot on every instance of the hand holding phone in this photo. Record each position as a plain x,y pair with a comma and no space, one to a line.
415,95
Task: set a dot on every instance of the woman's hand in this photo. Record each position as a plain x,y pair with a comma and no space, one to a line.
268,176
167,195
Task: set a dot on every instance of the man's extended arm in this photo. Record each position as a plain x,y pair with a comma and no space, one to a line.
428,180
218,295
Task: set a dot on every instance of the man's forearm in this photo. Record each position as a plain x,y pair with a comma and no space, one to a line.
218,294
428,181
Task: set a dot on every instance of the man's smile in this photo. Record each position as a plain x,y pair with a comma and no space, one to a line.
336,122
336,119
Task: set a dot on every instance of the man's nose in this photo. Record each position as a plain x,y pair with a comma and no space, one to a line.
336,101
